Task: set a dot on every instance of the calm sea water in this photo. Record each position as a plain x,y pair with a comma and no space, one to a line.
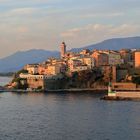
4,80
67,117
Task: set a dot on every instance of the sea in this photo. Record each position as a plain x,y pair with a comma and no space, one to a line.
66,116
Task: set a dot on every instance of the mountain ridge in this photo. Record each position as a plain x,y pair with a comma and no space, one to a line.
17,60
124,43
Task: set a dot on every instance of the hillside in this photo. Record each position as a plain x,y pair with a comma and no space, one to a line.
114,44
19,59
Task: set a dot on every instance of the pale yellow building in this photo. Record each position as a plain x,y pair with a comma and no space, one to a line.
87,60
32,68
80,68
53,69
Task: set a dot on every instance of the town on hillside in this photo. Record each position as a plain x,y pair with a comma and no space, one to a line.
85,69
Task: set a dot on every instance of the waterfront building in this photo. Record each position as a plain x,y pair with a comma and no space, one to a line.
137,59
31,76
32,68
126,55
42,69
101,59
53,69
114,58
73,64
34,81
89,61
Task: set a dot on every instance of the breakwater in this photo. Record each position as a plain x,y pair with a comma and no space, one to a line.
123,95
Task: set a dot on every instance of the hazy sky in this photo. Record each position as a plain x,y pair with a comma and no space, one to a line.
44,24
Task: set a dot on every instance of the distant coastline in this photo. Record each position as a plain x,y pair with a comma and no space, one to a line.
8,74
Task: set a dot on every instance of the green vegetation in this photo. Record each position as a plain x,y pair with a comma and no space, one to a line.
21,83
16,75
136,79
22,71
40,87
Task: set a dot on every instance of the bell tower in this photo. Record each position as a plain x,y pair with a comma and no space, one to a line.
63,49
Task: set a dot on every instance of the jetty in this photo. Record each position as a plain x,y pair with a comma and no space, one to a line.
119,95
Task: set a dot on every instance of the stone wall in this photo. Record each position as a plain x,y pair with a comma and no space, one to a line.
128,94
124,86
35,83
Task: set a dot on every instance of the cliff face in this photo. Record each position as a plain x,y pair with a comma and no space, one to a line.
82,79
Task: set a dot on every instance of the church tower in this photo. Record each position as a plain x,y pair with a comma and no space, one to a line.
63,49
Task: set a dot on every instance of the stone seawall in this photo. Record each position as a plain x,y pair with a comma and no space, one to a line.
128,94
98,91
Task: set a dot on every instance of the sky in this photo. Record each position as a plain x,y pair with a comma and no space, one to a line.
44,24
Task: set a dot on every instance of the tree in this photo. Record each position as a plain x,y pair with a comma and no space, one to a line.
136,80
